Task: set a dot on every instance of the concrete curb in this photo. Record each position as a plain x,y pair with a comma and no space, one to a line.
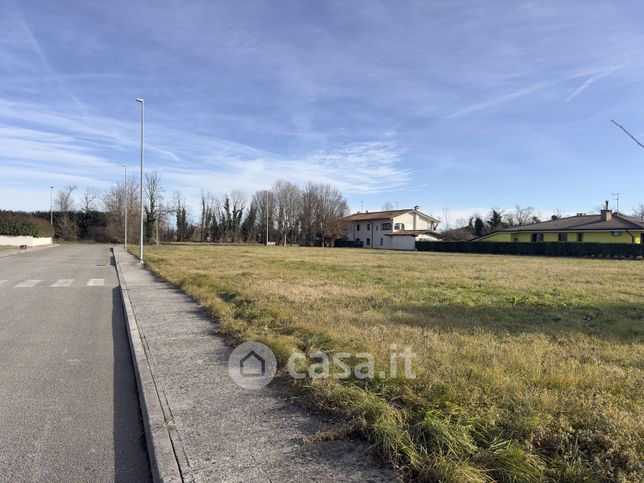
163,459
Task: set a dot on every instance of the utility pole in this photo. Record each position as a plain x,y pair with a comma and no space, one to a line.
125,207
266,217
617,195
51,205
141,187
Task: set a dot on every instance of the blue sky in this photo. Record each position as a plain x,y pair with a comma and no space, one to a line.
463,105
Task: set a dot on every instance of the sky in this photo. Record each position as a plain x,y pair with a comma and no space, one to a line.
462,105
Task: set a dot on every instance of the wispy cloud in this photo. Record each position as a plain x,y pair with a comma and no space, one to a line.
591,80
365,97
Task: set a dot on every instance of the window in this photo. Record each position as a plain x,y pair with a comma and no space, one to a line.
580,237
386,226
563,237
358,227
537,237
368,227
368,241
399,226
381,242
615,233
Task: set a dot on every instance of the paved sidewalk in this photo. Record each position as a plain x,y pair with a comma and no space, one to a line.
222,432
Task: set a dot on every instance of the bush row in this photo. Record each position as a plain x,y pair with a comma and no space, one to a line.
552,249
348,244
24,225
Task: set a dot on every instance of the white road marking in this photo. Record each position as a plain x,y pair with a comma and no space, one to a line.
28,283
96,282
63,282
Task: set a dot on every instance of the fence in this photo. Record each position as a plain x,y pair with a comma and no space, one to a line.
548,249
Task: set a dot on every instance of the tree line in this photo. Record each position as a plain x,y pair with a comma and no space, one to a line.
283,214
478,225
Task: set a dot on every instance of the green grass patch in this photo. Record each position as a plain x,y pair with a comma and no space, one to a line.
527,369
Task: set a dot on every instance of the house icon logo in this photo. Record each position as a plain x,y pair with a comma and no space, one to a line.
252,365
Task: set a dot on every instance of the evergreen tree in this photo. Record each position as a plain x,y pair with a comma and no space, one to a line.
479,227
496,219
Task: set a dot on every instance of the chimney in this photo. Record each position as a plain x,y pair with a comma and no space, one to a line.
416,208
607,214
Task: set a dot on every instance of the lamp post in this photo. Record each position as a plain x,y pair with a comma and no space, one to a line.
125,207
51,205
141,187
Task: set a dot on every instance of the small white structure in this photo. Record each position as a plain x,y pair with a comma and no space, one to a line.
394,230
29,241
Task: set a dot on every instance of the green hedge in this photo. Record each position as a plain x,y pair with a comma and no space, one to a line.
24,225
550,249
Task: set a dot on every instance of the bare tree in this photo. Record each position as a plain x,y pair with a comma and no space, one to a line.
447,213
89,200
557,215
288,198
388,206
264,201
119,201
309,213
332,208
153,194
522,216
64,200
639,211
66,227
207,215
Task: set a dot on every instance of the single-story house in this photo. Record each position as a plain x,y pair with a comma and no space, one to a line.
605,227
394,229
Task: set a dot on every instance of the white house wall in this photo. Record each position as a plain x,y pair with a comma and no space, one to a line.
403,242
375,232
408,220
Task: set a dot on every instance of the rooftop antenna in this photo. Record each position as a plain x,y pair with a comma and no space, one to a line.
362,206
616,195
396,205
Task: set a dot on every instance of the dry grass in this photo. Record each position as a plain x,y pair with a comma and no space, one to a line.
528,369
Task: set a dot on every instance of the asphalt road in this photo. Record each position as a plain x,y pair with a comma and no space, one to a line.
69,408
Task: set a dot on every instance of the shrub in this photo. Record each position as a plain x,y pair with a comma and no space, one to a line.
24,225
550,249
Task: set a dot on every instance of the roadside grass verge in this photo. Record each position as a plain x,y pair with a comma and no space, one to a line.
527,369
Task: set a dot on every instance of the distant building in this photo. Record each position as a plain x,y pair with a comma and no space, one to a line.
606,227
395,229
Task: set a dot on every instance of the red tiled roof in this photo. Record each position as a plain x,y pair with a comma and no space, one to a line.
382,215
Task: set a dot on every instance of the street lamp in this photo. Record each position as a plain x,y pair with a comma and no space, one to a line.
51,205
141,188
125,207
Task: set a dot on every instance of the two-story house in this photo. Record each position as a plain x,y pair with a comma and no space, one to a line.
395,230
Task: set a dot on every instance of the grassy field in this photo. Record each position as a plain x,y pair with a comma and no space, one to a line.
527,369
